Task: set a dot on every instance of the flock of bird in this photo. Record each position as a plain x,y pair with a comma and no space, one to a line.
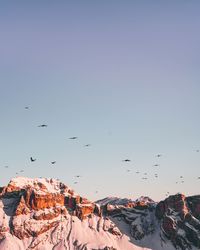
181,179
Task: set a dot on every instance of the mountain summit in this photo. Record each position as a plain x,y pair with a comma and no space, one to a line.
46,214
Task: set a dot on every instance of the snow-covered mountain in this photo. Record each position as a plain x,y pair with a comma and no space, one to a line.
46,214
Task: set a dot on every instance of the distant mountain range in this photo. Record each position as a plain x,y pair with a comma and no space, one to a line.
44,214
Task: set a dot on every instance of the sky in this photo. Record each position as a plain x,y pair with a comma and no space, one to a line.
122,76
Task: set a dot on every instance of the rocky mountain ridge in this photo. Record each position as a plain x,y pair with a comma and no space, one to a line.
46,214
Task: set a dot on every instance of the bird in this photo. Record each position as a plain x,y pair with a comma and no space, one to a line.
158,155
128,170
87,145
156,165
126,160
73,138
77,176
181,176
31,158
22,171
43,126
75,182
53,162
5,166
26,107
137,172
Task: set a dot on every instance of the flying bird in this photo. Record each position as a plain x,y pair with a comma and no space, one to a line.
77,176
53,162
26,107
158,155
126,160
75,182
31,158
87,145
73,138
156,165
43,126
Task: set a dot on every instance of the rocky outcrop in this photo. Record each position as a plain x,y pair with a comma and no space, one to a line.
46,214
179,218
40,201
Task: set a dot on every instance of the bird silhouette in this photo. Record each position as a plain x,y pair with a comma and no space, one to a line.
126,160
43,126
73,138
156,165
26,107
75,182
31,158
158,155
53,162
87,145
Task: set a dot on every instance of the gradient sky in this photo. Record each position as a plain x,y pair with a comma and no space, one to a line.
121,75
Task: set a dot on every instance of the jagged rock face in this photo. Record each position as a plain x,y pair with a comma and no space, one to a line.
179,218
140,216
194,205
176,203
46,214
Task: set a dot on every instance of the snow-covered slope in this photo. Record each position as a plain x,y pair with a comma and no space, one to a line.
45,214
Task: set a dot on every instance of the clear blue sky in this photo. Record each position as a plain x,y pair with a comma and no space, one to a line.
121,75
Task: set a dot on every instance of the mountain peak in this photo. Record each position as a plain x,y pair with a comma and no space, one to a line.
43,214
